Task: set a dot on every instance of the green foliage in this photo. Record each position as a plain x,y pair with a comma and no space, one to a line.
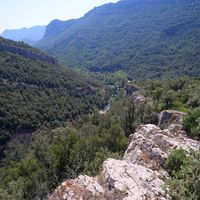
192,122
36,92
120,78
23,179
184,183
176,159
81,146
130,120
180,94
169,97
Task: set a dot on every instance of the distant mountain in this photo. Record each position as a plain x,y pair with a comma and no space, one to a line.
27,35
145,38
54,28
57,26
36,91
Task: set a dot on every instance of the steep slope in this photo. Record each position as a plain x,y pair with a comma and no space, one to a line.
29,35
140,175
53,31
36,91
142,37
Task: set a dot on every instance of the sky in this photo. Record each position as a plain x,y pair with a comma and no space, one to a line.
26,13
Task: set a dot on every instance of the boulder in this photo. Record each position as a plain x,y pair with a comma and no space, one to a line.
141,173
133,91
83,187
167,117
131,88
138,97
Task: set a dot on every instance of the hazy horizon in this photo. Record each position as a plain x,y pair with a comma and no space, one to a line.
25,13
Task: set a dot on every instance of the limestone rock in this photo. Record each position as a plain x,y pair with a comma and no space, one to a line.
140,175
138,97
167,117
83,187
136,94
131,88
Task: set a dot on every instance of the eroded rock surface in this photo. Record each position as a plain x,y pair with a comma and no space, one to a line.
139,176
167,117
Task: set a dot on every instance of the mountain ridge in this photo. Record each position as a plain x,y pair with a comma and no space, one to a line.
146,39
28,35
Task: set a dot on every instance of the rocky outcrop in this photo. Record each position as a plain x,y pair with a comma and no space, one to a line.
138,98
140,175
130,88
136,94
167,117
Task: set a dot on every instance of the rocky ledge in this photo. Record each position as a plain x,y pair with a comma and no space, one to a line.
140,175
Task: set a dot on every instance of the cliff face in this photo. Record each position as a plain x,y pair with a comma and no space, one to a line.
141,173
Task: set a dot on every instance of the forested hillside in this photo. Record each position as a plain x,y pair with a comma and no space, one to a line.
147,39
35,91
126,72
31,170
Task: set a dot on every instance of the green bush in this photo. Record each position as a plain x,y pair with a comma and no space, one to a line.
192,122
176,159
185,183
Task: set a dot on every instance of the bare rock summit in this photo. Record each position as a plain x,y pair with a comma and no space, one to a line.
140,175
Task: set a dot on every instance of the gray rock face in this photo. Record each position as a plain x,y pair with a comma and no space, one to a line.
136,94
130,88
167,117
140,175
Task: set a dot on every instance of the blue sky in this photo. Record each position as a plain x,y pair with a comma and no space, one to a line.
26,13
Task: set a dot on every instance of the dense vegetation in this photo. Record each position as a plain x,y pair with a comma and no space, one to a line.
34,168
181,94
35,91
185,181
50,125
159,38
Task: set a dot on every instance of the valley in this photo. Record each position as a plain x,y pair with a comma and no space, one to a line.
103,107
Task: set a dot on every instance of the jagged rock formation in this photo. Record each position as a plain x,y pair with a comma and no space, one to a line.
138,97
167,117
135,92
139,176
131,88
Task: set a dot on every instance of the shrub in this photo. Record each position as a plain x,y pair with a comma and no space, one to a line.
185,183
191,122
176,159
